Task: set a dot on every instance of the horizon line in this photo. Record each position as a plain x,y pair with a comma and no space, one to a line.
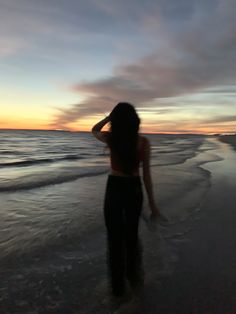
83,131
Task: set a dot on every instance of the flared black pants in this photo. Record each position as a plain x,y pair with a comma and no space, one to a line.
122,208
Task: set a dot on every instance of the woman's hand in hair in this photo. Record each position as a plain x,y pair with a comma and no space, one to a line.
96,130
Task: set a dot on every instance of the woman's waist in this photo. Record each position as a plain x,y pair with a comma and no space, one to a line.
124,182
117,173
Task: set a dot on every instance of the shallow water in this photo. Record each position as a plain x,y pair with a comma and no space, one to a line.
55,234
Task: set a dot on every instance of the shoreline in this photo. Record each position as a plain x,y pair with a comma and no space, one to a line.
229,139
204,278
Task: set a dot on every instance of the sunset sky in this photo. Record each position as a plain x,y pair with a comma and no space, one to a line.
64,64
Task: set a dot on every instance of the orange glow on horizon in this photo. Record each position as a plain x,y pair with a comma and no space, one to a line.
74,127
30,124
86,124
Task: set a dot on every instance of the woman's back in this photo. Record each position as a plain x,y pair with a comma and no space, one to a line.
116,166
123,139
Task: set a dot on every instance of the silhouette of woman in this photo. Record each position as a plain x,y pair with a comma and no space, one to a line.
124,196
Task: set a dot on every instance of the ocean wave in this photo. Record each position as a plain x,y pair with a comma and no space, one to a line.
45,179
25,163
10,152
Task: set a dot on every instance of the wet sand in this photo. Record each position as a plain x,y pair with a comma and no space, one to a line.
230,139
204,279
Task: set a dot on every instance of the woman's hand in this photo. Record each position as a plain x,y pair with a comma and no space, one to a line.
157,216
154,209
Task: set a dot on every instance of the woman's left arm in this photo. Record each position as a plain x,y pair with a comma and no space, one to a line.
96,129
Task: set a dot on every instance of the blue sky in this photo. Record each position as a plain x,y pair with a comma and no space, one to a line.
64,64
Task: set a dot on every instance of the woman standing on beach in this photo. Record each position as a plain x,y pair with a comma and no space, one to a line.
124,197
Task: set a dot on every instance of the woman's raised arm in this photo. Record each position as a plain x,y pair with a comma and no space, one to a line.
96,129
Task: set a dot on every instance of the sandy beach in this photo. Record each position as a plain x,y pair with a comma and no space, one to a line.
59,266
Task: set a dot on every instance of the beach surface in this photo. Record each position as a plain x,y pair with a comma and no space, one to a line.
53,239
204,278
230,139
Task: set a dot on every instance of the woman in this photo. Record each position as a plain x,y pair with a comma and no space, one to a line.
124,198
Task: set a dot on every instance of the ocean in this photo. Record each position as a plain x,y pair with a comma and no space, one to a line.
52,234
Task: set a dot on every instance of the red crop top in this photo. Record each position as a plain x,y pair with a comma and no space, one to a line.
115,163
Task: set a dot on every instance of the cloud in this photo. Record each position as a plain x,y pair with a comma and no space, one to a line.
26,25
165,49
221,119
200,53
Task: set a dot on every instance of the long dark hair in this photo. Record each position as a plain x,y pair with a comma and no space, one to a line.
123,137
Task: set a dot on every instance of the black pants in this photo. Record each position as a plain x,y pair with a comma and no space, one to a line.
122,208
